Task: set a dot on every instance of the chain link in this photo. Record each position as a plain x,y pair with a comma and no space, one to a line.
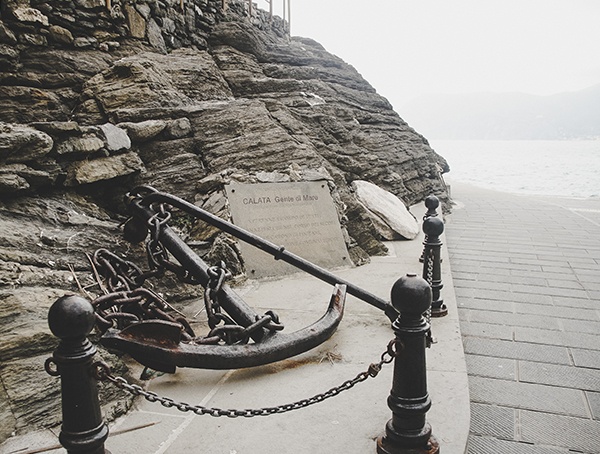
103,372
429,257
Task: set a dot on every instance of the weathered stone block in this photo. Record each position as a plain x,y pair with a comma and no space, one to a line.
155,36
116,138
20,143
136,22
6,35
85,172
11,182
29,15
144,130
33,39
60,35
85,145
179,128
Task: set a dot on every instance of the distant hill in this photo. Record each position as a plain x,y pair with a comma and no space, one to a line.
571,115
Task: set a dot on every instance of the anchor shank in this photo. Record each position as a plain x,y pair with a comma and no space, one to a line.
278,252
230,301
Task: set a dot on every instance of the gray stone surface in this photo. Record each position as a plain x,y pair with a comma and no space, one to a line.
487,445
578,434
298,216
562,376
532,281
594,401
517,350
488,366
586,358
492,420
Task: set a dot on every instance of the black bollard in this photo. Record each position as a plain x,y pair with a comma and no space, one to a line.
408,432
431,203
433,227
71,318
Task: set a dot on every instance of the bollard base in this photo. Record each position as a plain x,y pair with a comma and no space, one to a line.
385,447
439,311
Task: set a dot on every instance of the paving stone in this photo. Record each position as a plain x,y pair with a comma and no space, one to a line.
486,445
477,284
556,311
536,262
502,318
502,295
488,366
556,269
579,303
586,358
594,401
559,375
518,279
480,256
493,421
565,283
586,272
547,275
581,326
553,291
487,330
517,350
591,286
495,271
566,339
557,430
483,304
458,275
527,396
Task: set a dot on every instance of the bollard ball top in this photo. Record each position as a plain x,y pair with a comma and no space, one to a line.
432,202
411,294
433,226
71,316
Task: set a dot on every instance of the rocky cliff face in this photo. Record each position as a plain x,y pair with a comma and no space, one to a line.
181,95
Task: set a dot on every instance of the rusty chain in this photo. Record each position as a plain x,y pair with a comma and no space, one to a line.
429,257
103,372
126,301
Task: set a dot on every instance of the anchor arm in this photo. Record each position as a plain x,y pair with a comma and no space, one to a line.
156,344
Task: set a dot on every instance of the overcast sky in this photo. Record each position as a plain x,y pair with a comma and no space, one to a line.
407,48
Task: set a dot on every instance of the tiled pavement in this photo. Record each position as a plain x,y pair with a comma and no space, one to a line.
526,273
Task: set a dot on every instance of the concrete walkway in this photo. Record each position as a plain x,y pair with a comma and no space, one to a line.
526,273
346,424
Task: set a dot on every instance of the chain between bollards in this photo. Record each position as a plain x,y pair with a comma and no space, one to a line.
103,373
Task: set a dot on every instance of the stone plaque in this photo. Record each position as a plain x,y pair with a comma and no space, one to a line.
299,216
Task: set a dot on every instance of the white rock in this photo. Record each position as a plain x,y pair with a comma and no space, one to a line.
386,208
116,138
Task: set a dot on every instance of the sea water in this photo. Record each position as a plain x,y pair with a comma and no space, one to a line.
568,168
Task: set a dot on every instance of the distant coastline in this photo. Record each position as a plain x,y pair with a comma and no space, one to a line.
507,116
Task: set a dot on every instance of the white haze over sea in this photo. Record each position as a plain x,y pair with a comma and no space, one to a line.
566,168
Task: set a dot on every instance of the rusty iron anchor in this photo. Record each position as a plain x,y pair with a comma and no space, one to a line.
158,343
